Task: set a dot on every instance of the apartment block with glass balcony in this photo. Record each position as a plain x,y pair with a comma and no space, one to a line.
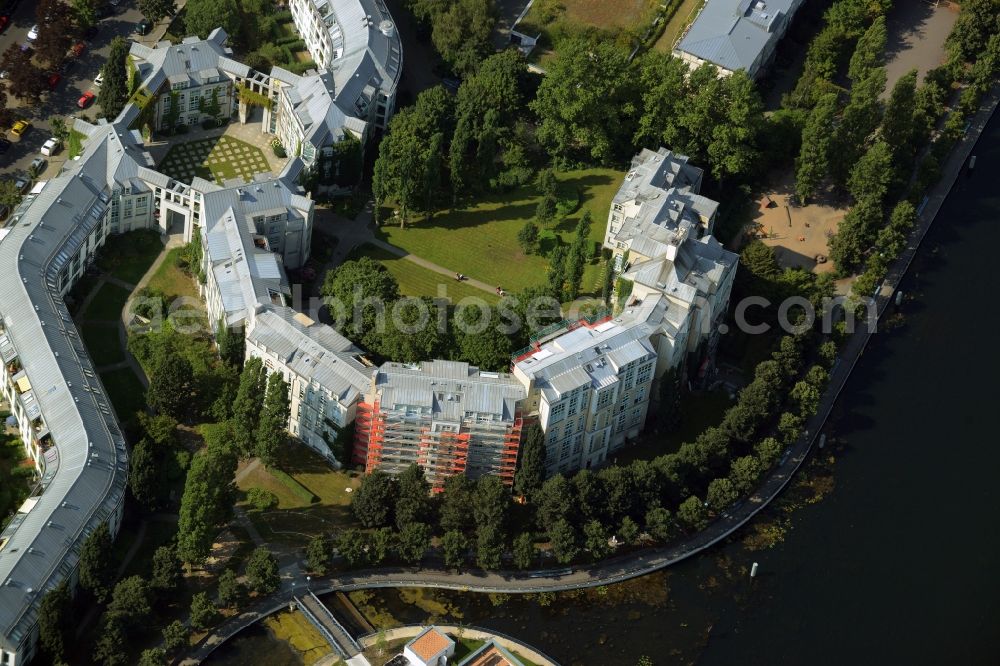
446,416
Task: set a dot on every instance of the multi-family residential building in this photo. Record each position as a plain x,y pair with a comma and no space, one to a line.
446,416
326,373
357,42
186,83
736,34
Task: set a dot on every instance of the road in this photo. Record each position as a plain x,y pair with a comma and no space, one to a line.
79,79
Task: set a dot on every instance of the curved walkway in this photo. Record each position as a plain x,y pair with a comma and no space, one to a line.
647,561
475,633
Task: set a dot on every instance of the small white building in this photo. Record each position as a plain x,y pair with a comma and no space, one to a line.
431,647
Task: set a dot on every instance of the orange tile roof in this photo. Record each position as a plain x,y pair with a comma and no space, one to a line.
429,644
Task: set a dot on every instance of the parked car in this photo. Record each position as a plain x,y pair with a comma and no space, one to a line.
22,185
86,99
37,165
144,26
78,49
54,79
4,22
51,147
20,127
99,80
33,33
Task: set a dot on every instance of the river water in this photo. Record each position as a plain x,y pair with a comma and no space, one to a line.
884,552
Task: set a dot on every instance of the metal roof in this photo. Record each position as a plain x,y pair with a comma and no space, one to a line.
448,389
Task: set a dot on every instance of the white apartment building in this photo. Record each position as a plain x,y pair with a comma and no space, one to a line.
357,42
326,373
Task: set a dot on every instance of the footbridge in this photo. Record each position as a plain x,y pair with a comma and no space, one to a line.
339,639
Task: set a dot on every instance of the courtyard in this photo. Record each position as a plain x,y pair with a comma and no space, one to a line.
218,158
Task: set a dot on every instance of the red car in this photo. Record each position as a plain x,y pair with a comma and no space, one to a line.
78,49
4,22
85,100
54,79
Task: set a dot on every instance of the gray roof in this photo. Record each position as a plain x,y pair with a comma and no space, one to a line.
313,351
366,54
733,34
449,389
85,470
195,60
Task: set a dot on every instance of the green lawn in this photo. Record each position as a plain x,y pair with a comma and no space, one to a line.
170,279
681,19
481,240
466,646
107,303
125,392
128,256
102,343
416,280
294,520
216,158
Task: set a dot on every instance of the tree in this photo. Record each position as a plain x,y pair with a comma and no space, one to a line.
96,568
629,531
175,636
58,128
114,90
481,340
978,20
144,474
55,20
807,396
9,195
733,150
584,104
166,573
531,470
668,409
230,588
203,611
658,524
318,554
692,514
110,648
55,621
359,292
411,333
789,426
382,545
489,546
131,601
563,539
454,546
413,542
413,497
872,174
374,500
898,129
248,405
869,52
232,343
456,498
25,81
767,451
525,552
171,385
209,495
351,547
596,539
744,473
462,33
812,165
154,10
721,493
528,237
262,571
272,427
85,11
554,501
490,503
203,16
153,657
663,80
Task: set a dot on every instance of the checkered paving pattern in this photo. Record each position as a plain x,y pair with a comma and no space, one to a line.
218,159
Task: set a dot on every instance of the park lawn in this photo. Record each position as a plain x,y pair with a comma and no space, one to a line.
128,256
171,280
295,520
591,13
107,304
677,24
415,280
300,633
466,646
125,391
102,343
481,239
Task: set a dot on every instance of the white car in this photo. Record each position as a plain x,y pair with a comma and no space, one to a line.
51,147
33,33
99,80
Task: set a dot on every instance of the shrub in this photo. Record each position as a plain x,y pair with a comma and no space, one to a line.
261,499
279,150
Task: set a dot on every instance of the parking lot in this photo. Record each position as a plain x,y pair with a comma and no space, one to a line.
63,100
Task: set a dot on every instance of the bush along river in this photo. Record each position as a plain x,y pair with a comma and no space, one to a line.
884,548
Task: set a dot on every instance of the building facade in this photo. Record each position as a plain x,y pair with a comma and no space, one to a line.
446,416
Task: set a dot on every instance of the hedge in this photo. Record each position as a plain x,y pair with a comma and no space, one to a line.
297,488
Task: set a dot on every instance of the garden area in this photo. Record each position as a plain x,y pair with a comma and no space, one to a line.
218,159
481,241
415,280
128,256
299,498
15,474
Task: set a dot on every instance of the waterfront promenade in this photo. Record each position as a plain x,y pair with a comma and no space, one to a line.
649,560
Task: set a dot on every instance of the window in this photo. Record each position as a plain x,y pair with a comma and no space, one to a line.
573,404
193,102
141,203
645,372
557,413
604,399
